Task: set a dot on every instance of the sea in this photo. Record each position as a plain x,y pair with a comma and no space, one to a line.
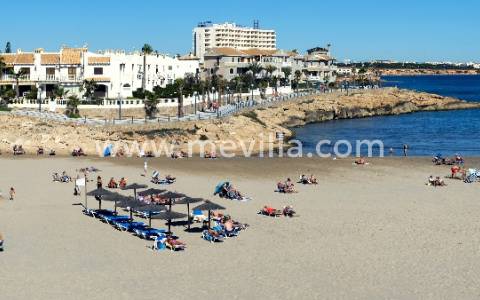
425,133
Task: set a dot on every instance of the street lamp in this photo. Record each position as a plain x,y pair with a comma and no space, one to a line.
119,106
195,105
251,88
228,95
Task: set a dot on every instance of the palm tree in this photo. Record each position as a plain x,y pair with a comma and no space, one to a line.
89,87
150,105
255,68
180,84
2,65
146,50
287,71
72,106
17,76
59,92
298,76
270,70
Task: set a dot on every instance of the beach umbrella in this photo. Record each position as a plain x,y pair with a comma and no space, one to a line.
187,201
114,197
151,191
220,186
172,195
135,187
151,208
99,193
209,205
130,203
169,216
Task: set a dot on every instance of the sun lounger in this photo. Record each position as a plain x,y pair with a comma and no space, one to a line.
148,233
198,216
112,219
212,238
160,242
129,226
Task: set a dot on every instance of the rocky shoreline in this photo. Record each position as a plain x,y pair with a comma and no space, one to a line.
245,127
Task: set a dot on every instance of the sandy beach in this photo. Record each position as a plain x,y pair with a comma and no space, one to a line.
365,232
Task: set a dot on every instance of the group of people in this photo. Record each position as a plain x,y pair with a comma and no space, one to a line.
61,178
440,160
435,181
287,211
112,184
179,154
286,187
228,191
169,179
18,150
308,179
78,152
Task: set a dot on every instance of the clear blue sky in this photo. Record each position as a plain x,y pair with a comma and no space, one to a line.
361,30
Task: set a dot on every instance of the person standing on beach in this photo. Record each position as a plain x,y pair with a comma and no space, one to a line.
12,193
405,149
145,168
99,182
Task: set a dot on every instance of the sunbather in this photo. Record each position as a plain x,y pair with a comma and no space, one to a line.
288,211
174,244
112,184
270,211
123,183
360,161
40,151
52,152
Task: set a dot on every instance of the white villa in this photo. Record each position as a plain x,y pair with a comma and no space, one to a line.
116,72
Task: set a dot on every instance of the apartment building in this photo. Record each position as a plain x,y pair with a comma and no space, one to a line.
316,65
116,72
207,36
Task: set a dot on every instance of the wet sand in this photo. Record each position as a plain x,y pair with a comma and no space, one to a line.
365,232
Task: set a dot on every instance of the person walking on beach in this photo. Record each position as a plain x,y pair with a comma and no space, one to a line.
12,193
405,149
99,182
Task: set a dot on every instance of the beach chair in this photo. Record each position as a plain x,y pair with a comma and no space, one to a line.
160,243
129,226
472,176
148,233
111,219
206,235
198,216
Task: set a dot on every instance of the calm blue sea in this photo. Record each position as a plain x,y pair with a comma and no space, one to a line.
426,133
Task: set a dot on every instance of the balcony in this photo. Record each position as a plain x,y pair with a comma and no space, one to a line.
11,78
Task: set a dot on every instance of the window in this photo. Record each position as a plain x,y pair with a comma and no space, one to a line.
98,71
72,72
170,68
231,71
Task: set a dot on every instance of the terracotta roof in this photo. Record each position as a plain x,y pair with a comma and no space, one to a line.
225,52
258,52
50,59
8,59
98,79
71,56
25,59
189,56
99,60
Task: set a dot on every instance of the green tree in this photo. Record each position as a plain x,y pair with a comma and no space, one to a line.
88,88
150,105
8,48
32,94
180,85
255,68
287,71
17,76
146,50
59,92
72,107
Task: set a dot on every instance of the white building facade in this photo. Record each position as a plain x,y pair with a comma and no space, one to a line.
116,73
207,36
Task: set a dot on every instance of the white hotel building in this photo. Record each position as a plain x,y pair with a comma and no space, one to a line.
116,73
207,36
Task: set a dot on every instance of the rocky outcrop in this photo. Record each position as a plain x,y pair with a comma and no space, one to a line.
247,127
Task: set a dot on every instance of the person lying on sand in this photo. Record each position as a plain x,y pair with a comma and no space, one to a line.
40,151
308,179
270,211
361,161
174,242
437,181
52,153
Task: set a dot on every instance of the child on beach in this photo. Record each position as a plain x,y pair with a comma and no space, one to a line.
12,193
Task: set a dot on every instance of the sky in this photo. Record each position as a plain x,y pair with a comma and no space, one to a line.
407,30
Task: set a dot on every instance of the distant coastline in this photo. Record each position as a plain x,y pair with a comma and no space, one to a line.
423,72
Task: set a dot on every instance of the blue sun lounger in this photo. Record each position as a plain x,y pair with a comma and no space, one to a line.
211,238
148,233
112,219
129,226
